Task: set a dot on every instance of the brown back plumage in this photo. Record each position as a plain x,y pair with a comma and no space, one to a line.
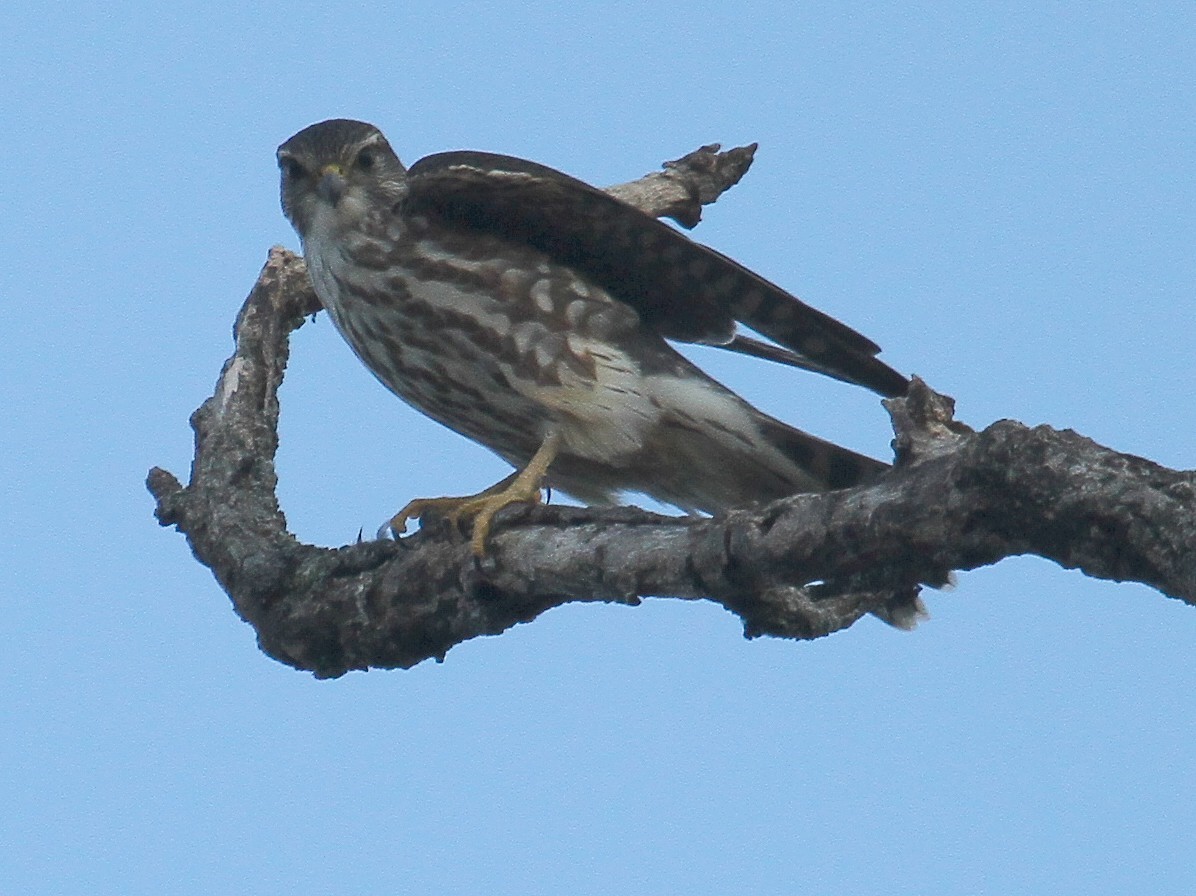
682,289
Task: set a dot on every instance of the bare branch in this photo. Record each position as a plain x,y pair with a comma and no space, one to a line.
685,185
803,567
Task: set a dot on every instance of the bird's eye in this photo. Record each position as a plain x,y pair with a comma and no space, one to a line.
291,169
365,160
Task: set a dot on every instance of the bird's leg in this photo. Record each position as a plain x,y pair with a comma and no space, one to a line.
452,507
521,487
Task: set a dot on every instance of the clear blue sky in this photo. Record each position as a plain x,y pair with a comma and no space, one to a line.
1000,194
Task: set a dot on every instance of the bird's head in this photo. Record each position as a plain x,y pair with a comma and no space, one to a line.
341,167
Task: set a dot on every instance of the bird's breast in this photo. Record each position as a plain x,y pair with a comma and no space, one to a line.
501,349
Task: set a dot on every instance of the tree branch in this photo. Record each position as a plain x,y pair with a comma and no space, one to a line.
685,185
800,568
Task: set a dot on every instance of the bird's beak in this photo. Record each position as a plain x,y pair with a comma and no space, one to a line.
331,185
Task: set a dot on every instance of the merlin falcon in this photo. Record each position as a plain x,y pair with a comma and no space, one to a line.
533,313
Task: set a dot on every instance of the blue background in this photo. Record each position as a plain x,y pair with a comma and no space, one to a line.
1001,194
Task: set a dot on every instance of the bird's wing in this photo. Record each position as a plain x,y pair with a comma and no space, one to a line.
680,288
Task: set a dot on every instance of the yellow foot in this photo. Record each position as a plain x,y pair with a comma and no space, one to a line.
521,487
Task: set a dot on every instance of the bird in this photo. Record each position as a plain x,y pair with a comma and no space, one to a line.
537,315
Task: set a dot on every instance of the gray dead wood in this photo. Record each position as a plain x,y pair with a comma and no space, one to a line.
800,568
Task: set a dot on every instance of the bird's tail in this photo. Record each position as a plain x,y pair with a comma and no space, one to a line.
720,469
831,466
716,468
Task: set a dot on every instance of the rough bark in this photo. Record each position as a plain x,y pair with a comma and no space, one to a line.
800,568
